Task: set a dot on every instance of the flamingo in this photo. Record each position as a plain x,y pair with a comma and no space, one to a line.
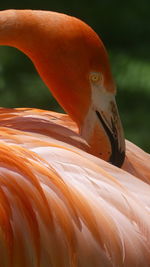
73,192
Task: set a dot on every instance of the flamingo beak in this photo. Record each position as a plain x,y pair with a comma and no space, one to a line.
109,118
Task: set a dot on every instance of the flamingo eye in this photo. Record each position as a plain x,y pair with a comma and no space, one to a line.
96,77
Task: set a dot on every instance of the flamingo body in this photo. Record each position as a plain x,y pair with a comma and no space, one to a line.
60,204
51,205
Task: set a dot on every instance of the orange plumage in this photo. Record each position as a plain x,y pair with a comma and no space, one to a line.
59,204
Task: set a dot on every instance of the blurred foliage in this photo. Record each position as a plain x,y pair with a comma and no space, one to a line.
125,29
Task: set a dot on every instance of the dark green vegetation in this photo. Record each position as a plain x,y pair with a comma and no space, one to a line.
125,29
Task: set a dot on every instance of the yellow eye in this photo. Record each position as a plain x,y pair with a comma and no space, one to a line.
96,77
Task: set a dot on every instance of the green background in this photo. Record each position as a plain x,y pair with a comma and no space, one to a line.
125,30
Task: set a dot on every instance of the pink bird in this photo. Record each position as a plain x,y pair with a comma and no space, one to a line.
61,203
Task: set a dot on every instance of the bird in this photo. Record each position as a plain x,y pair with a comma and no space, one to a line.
73,192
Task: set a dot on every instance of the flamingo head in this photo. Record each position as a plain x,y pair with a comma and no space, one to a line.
73,63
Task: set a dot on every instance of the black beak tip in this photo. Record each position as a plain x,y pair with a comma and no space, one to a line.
117,158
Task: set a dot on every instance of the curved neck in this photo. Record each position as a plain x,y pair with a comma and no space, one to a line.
58,47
